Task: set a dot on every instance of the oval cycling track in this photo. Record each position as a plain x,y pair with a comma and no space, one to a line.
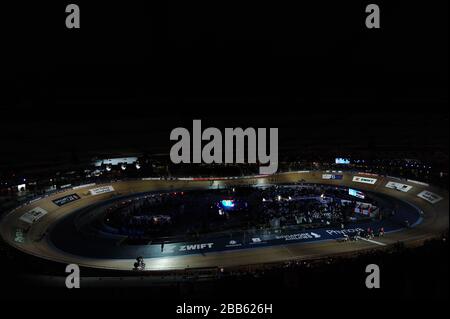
51,234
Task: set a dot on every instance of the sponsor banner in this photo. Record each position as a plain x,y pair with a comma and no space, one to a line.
83,186
33,215
364,180
19,236
332,176
399,186
417,182
184,248
101,190
196,247
299,236
257,240
66,199
429,197
233,243
35,200
151,178
341,233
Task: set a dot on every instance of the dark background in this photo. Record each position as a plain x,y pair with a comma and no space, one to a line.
134,71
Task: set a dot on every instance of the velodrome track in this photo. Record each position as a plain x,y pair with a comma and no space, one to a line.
34,238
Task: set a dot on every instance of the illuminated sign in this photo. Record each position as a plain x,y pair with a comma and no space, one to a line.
354,192
340,160
365,180
116,161
227,203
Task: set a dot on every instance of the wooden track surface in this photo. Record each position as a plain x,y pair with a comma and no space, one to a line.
36,242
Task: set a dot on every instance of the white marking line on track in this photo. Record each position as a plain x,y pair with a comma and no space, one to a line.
373,241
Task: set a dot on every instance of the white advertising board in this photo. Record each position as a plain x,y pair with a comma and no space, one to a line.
364,180
33,215
101,190
429,197
399,186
